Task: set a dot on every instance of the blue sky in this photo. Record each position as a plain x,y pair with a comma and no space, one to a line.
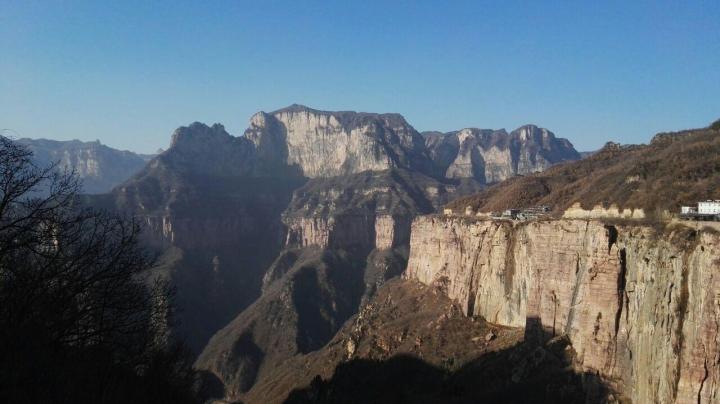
129,72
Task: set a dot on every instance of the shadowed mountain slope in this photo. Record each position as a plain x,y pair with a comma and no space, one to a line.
410,343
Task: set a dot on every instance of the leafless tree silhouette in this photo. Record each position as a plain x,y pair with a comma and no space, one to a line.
80,321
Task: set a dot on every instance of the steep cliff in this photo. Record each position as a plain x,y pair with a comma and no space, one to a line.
639,304
100,167
328,144
213,202
411,343
214,219
346,236
492,156
682,167
275,238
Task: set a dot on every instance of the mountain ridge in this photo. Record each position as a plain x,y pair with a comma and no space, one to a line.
99,166
294,224
682,166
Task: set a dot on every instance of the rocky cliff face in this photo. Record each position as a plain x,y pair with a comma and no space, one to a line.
369,209
345,237
277,237
328,144
214,217
639,305
100,167
494,155
410,343
681,167
199,149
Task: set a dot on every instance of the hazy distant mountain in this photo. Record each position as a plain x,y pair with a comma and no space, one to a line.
99,166
492,156
325,144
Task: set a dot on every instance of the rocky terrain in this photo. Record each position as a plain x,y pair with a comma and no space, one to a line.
492,156
348,229
214,220
413,344
593,310
681,167
636,297
321,144
345,237
310,263
548,311
100,167
214,203
275,238
638,304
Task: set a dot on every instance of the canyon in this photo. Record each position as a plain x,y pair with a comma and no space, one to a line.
308,249
224,212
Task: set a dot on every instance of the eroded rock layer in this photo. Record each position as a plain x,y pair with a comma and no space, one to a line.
494,155
640,305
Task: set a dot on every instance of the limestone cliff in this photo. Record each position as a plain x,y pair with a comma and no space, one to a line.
368,209
98,166
675,169
215,219
277,237
494,155
328,144
639,304
345,237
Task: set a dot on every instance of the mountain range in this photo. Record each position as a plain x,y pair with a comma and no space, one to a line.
223,208
310,263
98,166
324,144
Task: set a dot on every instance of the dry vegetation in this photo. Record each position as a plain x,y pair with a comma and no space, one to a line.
673,170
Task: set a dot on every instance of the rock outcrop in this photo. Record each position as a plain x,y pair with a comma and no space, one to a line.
675,169
640,305
214,217
98,166
412,344
345,237
199,149
275,238
329,144
494,155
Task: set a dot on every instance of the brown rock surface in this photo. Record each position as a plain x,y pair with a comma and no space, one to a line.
640,305
412,344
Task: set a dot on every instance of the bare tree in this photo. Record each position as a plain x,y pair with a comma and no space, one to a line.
73,285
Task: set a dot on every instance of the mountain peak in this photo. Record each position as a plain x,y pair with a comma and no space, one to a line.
297,108
198,131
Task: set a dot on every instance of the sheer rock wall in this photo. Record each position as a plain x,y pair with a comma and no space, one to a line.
641,306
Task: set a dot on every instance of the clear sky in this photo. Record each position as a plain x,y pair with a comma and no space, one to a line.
130,72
